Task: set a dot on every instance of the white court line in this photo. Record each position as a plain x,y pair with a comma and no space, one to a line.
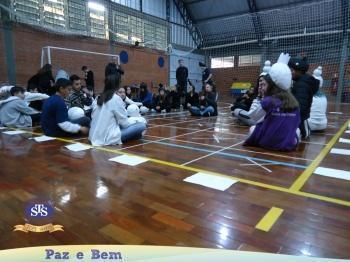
251,160
166,138
236,149
213,153
186,121
216,139
267,164
228,133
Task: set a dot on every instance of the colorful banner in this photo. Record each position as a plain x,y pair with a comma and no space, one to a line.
38,229
126,253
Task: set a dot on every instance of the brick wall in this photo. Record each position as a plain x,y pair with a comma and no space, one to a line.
3,72
142,65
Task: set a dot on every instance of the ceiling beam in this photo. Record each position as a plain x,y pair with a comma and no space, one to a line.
232,15
193,30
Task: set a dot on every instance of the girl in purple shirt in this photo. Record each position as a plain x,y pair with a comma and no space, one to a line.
278,131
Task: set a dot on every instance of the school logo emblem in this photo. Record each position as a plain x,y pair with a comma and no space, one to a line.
38,212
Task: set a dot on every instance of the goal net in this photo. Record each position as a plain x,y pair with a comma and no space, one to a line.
318,30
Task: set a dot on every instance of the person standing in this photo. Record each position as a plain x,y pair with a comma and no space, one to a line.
206,75
181,78
113,68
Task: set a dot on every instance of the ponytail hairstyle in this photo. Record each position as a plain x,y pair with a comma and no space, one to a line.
112,83
289,103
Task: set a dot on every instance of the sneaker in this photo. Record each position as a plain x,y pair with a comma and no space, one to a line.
163,111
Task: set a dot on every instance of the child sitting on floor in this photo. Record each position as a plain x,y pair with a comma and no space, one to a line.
318,117
192,98
15,112
110,125
54,117
207,103
78,98
134,115
145,96
161,102
255,114
279,130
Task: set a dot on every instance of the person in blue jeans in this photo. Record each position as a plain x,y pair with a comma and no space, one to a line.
207,103
54,117
110,124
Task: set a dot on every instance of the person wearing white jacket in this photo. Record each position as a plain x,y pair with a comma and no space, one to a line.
318,117
110,125
255,114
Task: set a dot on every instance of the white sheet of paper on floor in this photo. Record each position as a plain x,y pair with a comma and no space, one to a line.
129,160
335,173
212,181
340,151
78,147
343,140
336,113
43,138
15,132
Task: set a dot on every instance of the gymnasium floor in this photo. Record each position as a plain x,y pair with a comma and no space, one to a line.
103,202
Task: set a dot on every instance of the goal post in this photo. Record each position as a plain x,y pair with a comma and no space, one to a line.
46,53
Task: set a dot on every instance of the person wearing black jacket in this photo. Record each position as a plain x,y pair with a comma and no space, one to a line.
207,103
113,69
161,102
192,98
89,79
303,89
43,81
181,78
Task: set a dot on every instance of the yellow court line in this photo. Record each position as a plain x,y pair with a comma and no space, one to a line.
269,219
301,180
196,170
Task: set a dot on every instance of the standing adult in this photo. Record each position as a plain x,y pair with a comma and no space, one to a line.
181,78
113,68
89,79
206,75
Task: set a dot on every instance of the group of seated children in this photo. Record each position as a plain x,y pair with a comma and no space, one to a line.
278,110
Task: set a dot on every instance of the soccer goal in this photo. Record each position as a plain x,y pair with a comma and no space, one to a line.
72,60
46,53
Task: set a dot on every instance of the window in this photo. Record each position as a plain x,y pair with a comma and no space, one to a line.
129,29
223,62
249,60
53,14
77,15
28,10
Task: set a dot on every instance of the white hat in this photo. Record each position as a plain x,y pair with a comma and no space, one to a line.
75,113
280,72
266,68
133,110
318,75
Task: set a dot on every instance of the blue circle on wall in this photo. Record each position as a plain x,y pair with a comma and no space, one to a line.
124,57
160,61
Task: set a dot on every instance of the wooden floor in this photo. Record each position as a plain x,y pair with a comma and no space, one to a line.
103,202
